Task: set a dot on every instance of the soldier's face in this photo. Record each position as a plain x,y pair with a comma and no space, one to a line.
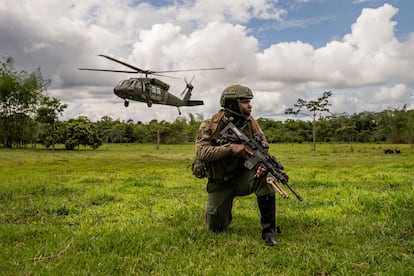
245,106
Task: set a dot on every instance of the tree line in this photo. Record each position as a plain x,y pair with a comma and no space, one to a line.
389,126
29,116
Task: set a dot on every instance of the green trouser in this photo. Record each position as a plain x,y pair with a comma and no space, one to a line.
221,195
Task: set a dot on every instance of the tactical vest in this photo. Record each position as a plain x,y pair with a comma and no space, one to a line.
221,169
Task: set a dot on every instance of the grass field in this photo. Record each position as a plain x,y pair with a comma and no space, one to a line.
135,210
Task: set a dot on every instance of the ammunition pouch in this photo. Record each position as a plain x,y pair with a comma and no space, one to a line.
218,171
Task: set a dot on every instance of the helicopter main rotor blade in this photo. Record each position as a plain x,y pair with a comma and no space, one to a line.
105,70
125,71
146,72
165,76
138,70
188,70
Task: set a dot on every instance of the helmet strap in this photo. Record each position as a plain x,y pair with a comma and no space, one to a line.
235,114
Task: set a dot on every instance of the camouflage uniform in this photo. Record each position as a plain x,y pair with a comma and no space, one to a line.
228,177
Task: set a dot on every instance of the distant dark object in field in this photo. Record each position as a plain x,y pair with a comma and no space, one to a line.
391,151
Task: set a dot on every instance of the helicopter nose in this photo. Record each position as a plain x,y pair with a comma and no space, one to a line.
117,90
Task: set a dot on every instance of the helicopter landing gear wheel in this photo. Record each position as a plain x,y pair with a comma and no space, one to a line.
149,103
126,103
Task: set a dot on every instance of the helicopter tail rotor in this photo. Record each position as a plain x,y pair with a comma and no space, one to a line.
188,86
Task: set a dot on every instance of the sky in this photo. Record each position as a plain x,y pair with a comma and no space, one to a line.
361,50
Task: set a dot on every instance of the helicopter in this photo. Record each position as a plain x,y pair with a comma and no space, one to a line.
151,90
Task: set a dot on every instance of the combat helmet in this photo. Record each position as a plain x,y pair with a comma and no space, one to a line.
235,92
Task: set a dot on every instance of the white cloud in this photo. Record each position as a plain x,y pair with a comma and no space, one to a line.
287,62
391,95
369,55
366,68
238,11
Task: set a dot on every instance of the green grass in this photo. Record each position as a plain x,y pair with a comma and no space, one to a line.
135,210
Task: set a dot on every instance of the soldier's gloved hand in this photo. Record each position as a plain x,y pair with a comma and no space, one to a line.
240,150
261,171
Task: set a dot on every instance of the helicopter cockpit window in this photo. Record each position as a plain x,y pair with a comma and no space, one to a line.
135,83
156,93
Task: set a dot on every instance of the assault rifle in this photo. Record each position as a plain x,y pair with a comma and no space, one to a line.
260,157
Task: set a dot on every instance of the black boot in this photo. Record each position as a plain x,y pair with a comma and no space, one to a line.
267,206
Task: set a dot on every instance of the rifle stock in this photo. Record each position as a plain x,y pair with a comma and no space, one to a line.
260,156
